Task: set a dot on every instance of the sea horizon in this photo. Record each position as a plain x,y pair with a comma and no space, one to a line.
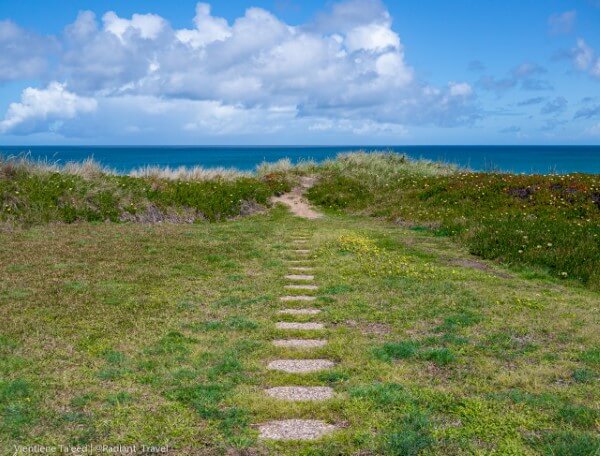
527,159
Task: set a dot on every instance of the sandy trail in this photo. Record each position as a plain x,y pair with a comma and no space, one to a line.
296,202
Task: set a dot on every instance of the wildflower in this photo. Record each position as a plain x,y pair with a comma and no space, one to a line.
549,244
520,251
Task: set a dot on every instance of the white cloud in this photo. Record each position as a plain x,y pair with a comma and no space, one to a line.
582,55
147,25
562,23
372,37
347,66
208,28
460,89
44,105
585,58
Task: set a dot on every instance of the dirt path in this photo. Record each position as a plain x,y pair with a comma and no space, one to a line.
296,202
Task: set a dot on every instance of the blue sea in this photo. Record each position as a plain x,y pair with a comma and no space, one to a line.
518,159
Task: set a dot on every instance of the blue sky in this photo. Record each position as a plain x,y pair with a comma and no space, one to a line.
300,72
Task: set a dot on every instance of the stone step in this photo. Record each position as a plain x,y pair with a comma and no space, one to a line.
302,268
299,311
300,393
300,366
297,298
295,430
306,277
300,343
301,251
295,325
301,287
298,261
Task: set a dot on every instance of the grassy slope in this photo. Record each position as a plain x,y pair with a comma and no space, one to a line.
32,193
121,333
550,222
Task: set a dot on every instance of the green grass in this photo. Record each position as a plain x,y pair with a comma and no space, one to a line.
31,194
550,222
159,335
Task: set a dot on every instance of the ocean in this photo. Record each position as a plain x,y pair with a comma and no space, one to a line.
518,159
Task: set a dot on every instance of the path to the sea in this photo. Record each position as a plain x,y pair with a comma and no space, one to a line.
299,293
296,201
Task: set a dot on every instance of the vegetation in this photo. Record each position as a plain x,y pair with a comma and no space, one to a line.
547,221
34,193
159,334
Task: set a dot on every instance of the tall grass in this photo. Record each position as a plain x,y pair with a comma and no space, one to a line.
35,192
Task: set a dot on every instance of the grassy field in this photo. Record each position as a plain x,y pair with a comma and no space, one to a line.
159,335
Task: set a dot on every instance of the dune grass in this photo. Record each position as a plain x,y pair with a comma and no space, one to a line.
159,335
548,221
38,192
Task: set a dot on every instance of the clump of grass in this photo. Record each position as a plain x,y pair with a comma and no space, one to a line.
408,437
195,173
396,350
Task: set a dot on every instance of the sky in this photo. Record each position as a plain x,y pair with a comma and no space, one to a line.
304,72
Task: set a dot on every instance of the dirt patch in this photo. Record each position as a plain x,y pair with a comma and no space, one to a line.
296,202
251,208
153,214
473,264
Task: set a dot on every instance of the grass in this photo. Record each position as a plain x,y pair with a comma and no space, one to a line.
33,193
550,222
158,334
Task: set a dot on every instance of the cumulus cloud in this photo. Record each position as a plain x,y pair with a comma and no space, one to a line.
562,23
53,103
208,28
22,54
348,64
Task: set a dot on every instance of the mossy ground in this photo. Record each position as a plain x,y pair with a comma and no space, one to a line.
131,334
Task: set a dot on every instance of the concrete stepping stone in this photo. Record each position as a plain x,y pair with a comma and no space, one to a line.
295,430
300,343
299,311
301,251
301,287
301,393
305,261
302,268
297,298
300,241
306,277
296,325
300,366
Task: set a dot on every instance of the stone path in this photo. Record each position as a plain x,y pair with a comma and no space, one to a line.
297,298
298,429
